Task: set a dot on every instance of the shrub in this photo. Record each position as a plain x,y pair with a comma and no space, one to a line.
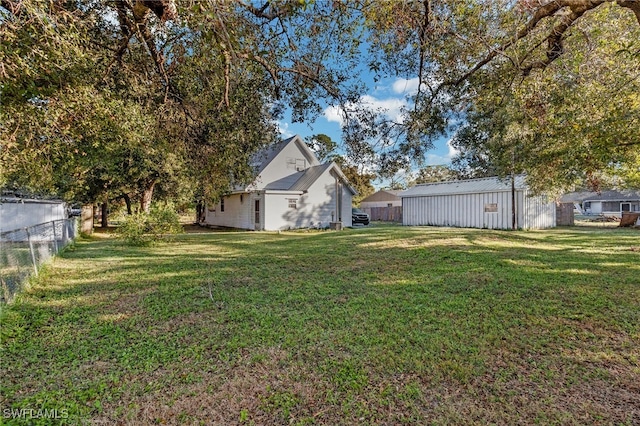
134,229
140,229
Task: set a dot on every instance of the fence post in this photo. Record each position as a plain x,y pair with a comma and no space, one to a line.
33,254
65,232
55,237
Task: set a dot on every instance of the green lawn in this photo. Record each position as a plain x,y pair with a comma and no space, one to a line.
379,325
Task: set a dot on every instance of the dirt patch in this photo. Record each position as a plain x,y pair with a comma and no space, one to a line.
260,388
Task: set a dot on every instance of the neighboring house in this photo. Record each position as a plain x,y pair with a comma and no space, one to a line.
477,203
291,190
382,198
608,203
383,205
20,213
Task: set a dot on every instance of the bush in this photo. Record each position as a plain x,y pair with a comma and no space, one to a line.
140,229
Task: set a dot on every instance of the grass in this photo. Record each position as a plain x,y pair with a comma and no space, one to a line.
382,325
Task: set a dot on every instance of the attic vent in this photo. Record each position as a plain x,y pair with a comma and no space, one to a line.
298,164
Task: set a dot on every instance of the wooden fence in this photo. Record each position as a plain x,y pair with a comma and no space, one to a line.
564,214
386,214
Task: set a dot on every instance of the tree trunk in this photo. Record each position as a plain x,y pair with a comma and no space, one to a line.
199,212
127,201
147,194
104,222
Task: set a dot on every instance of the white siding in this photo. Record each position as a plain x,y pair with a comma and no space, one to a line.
315,208
539,213
278,215
17,215
596,207
468,211
277,168
236,214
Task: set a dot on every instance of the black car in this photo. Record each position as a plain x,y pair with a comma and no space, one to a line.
358,216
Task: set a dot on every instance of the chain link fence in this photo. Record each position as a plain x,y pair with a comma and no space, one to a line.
23,251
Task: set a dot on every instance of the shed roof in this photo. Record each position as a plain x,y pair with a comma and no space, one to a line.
383,195
18,200
471,186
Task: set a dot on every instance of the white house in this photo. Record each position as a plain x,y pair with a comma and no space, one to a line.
608,203
291,190
382,198
477,203
384,204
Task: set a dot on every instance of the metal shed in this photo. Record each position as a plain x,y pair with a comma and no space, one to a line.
477,203
18,213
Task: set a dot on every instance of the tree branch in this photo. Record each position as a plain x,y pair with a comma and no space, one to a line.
555,46
261,12
422,34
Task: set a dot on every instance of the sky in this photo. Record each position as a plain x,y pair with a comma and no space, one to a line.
389,94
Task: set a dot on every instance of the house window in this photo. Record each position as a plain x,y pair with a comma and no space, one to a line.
291,163
222,204
587,204
293,203
491,208
625,207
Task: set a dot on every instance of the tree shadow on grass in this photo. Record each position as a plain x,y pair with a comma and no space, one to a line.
483,320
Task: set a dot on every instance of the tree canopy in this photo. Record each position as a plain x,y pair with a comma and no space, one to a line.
546,87
136,97
111,98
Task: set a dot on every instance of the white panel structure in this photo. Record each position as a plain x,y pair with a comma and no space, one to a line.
18,213
477,203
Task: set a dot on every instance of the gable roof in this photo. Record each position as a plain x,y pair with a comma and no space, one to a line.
611,195
383,195
471,186
264,157
303,180
299,180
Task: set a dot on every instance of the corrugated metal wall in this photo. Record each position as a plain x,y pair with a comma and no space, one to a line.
539,213
475,211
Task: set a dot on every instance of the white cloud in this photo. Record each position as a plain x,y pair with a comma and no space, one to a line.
452,151
283,128
437,159
404,86
392,108
333,114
